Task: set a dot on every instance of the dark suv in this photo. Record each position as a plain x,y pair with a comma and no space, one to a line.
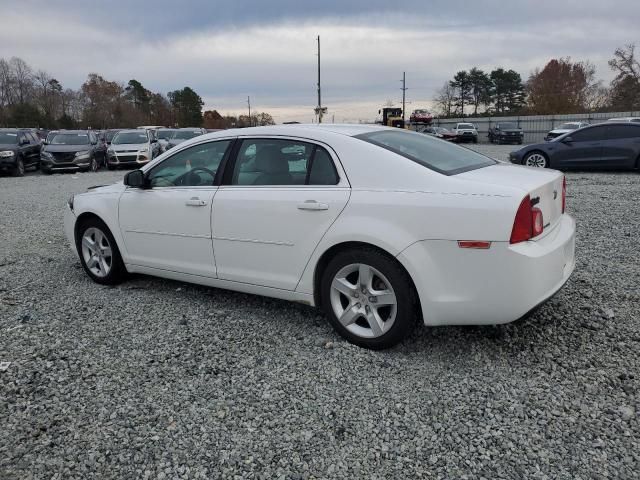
19,148
72,150
506,132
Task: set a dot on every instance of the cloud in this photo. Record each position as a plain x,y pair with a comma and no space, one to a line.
228,50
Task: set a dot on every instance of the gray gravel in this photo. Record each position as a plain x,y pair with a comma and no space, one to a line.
159,379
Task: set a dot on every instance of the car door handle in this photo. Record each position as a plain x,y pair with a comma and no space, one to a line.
195,202
312,205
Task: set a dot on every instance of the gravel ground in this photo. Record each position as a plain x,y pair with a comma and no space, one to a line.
159,379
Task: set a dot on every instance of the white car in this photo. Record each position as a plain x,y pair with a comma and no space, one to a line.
466,132
132,147
565,128
376,225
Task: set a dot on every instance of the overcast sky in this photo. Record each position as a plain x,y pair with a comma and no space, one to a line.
227,50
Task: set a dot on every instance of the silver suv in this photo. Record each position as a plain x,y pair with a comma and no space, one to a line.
466,132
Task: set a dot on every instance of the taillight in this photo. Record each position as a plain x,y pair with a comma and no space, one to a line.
564,193
528,222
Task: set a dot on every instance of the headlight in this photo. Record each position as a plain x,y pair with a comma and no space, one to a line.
143,150
82,155
7,153
111,151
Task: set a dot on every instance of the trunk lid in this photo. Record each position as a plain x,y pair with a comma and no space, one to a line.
542,185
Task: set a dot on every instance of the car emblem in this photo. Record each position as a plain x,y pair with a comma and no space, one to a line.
555,194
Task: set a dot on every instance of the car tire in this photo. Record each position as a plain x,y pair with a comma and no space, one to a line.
99,253
94,166
536,159
46,171
110,167
18,170
379,314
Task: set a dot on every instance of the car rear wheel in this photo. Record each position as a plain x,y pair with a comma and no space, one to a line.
93,166
99,253
536,159
368,298
18,170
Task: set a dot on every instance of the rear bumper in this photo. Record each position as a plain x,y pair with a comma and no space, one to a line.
488,287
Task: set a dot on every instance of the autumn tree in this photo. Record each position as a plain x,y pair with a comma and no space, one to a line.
102,101
213,119
625,87
561,87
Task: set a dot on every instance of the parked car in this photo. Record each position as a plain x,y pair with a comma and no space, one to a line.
439,132
506,132
421,116
109,134
71,150
164,135
565,128
373,224
625,119
606,146
182,134
101,147
466,132
132,148
19,149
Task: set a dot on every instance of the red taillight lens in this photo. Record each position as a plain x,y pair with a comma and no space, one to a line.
521,231
528,222
564,193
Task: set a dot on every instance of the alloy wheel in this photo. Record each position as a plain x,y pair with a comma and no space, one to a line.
363,300
96,252
536,160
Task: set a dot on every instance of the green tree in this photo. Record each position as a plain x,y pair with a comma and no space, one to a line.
480,88
507,91
187,107
461,84
625,87
137,95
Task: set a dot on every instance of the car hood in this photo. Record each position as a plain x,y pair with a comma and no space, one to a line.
114,188
8,146
125,147
67,148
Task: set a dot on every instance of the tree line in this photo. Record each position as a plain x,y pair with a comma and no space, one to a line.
562,86
33,98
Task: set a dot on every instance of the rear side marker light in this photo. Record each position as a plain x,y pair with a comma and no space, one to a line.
478,244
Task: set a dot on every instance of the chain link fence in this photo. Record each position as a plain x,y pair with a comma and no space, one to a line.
535,127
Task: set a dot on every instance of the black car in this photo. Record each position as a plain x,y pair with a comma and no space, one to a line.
19,149
506,132
72,150
607,146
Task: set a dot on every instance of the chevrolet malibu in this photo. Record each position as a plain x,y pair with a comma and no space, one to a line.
377,226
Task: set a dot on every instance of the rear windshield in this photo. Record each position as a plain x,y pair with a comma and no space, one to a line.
433,153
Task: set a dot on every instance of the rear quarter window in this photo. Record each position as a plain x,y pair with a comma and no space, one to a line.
430,152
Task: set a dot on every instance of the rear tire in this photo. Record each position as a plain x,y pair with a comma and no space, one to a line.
368,298
536,159
99,253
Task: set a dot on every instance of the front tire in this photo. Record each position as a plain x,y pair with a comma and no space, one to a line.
536,159
99,253
18,170
93,166
369,298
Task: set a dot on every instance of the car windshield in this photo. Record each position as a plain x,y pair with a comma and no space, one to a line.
108,136
507,126
465,125
569,126
130,138
185,134
443,157
165,134
70,139
8,138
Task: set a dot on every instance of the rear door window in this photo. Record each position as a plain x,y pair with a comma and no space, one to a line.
592,134
617,132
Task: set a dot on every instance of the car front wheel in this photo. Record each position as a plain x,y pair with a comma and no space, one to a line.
368,298
536,159
18,170
99,253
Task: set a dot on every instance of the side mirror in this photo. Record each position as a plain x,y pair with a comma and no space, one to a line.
134,179
567,140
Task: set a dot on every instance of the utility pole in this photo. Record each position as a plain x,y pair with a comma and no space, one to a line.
319,109
249,105
404,89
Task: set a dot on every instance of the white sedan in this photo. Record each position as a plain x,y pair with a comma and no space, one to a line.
377,226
